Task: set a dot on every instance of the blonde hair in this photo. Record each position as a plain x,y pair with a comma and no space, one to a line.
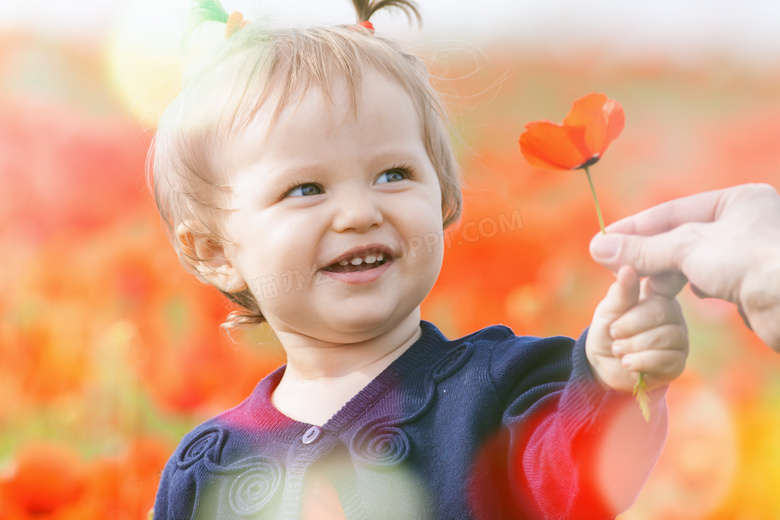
256,66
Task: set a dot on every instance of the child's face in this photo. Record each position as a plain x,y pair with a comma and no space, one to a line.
328,185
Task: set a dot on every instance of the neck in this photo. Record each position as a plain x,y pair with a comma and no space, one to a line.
321,377
310,359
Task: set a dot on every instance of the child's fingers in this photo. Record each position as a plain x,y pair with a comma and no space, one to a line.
647,314
621,296
658,366
666,338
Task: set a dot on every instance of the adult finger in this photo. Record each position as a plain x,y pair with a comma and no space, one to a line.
649,255
667,284
701,207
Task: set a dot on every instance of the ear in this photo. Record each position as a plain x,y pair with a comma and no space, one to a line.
206,254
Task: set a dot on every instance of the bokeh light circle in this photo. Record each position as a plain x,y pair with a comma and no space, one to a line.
147,52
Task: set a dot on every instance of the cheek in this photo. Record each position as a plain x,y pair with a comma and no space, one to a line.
428,205
425,249
287,260
437,258
422,228
291,244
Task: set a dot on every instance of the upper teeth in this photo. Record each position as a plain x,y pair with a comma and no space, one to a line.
369,259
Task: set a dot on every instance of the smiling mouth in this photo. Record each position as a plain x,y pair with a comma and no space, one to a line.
357,263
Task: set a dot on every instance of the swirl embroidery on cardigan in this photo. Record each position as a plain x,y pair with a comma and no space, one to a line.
381,444
209,440
452,362
254,487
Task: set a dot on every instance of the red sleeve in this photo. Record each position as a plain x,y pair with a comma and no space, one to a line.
566,447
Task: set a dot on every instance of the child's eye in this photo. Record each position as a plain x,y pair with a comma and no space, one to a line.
394,175
304,190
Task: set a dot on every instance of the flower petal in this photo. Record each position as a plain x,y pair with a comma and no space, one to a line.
588,113
602,119
616,119
550,146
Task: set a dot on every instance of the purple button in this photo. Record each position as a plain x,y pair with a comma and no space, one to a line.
311,435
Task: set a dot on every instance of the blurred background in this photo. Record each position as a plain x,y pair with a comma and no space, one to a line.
110,352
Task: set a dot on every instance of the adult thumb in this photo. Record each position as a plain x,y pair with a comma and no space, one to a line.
649,255
606,250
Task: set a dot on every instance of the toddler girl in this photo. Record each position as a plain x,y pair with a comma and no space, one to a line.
295,172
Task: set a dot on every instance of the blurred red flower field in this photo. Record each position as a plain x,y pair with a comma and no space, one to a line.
110,352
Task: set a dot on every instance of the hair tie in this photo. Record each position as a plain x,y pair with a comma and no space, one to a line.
212,11
367,25
234,22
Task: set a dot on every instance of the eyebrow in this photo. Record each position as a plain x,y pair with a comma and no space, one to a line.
381,158
391,156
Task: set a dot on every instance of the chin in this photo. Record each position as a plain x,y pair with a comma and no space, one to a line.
366,324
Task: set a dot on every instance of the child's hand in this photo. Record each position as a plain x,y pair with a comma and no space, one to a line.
637,329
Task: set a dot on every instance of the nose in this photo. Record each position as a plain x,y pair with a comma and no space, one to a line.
357,211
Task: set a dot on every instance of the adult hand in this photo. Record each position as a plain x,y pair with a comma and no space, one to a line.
726,242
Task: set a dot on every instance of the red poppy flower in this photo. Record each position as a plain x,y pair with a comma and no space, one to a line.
47,477
593,122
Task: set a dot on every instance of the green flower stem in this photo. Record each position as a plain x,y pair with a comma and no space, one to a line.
595,199
640,390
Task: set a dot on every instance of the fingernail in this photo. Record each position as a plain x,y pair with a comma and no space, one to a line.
617,349
627,364
614,332
605,246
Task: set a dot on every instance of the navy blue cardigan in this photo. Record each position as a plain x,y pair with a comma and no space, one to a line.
489,426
